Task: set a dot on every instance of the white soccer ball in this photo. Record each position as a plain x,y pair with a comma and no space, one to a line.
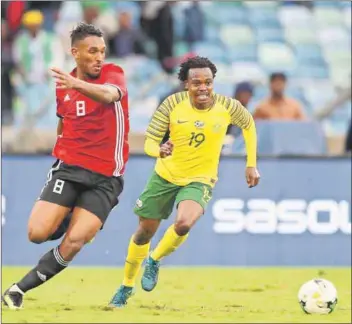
317,296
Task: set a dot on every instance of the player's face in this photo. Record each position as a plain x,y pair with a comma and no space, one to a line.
200,86
278,87
89,54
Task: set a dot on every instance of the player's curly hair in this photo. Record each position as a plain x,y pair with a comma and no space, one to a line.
84,30
194,63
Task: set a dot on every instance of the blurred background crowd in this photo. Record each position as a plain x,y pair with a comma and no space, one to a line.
288,62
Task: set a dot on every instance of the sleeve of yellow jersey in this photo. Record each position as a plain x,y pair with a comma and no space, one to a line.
242,118
157,128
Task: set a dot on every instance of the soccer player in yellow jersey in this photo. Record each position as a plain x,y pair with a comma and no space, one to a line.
186,168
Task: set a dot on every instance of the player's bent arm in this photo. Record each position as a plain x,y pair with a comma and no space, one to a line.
250,139
152,148
98,92
242,118
157,129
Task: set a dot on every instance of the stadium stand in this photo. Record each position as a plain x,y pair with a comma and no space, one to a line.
247,41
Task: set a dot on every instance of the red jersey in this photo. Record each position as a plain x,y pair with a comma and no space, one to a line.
95,135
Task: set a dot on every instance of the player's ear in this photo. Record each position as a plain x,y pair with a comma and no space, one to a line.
74,52
185,84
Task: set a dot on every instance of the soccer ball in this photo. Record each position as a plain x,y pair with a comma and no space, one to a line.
317,296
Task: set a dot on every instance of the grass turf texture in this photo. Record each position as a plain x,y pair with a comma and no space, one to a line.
198,295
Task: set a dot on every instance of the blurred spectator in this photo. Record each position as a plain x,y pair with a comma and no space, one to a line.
70,13
6,69
277,106
158,22
308,4
194,24
49,9
34,52
98,13
348,145
42,5
90,12
128,40
244,93
149,12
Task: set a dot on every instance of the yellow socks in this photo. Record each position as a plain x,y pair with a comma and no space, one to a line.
135,256
168,244
137,253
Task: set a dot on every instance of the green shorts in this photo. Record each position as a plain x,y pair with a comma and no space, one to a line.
159,197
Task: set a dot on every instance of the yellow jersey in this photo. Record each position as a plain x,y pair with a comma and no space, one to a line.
197,136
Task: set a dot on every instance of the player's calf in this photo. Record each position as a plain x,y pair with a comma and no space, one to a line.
48,266
62,229
70,246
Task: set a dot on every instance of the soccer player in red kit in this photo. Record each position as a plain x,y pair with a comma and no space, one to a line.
91,152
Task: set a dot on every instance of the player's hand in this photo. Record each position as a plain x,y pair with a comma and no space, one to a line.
63,80
252,176
166,149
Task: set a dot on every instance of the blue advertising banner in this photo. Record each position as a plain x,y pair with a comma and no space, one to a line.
299,215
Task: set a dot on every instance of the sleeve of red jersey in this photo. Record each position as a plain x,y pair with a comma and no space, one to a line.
115,77
59,107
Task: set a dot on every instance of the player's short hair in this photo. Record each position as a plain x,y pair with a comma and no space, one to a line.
84,30
195,63
278,76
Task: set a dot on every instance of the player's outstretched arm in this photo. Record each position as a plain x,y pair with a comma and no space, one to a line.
98,92
242,118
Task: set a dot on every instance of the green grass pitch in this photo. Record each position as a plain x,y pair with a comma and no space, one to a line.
191,295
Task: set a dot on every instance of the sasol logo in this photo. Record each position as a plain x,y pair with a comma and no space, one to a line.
291,216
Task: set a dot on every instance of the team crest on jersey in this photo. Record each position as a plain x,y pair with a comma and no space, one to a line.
139,203
199,124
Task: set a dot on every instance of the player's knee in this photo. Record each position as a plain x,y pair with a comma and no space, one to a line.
143,236
182,227
37,235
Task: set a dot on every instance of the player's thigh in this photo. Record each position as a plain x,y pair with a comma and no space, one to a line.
44,219
55,201
192,201
101,199
157,200
83,226
59,189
